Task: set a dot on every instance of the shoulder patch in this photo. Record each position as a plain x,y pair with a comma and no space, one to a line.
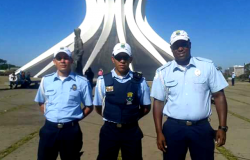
204,59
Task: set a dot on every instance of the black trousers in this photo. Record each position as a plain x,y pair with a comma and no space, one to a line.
127,138
198,138
232,81
66,140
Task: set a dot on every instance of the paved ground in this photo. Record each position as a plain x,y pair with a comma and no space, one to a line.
20,116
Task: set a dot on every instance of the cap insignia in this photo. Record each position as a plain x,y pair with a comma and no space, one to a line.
122,45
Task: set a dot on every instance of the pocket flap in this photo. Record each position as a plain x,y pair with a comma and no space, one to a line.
171,83
50,92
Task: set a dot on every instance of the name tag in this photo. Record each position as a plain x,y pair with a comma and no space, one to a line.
110,89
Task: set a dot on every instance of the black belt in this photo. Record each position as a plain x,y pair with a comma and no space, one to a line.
61,125
123,125
188,122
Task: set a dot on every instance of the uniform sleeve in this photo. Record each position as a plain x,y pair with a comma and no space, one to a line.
99,92
87,95
217,81
145,93
39,96
157,90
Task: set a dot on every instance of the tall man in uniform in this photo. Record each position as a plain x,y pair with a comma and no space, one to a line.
122,97
186,84
60,96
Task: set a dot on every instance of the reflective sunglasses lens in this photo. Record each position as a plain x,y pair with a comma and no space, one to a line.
119,58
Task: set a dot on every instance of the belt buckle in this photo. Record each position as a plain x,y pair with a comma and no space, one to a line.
188,123
118,125
59,125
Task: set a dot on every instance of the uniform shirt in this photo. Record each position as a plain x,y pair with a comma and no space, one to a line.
187,91
64,98
143,93
233,75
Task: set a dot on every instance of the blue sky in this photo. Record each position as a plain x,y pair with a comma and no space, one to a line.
219,29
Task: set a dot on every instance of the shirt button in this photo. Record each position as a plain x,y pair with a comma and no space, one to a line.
186,94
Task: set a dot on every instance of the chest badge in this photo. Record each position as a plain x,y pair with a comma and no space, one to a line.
129,98
197,72
109,88
74,87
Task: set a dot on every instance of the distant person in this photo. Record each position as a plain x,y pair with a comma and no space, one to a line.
233,77
27,79
182,91
12,79
60,96
90,76
100,72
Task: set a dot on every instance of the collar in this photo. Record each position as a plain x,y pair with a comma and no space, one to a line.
128,75
70,76
191,64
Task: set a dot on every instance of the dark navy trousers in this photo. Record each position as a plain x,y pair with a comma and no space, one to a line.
113,138
66,140
198,138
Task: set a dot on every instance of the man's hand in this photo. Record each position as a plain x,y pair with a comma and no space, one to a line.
42,107
87,110
161,142
220,139
98,110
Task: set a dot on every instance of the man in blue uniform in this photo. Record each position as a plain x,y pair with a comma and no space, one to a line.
233,77
186,85
122,97
60,96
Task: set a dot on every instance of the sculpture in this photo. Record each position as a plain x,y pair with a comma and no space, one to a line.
106,23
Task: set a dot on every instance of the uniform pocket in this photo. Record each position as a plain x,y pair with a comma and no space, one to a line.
50,95
74,96
172,87
200,84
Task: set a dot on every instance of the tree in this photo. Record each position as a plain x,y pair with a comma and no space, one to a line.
2,61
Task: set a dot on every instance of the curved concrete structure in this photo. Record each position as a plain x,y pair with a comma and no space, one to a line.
106,23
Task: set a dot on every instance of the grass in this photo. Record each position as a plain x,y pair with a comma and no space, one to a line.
226,153
16,145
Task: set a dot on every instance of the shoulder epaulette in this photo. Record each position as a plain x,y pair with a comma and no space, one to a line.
165,66
51,74
204,59
81,77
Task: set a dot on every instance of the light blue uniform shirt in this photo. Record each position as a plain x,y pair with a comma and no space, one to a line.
187,90
233,75
143,94
64,98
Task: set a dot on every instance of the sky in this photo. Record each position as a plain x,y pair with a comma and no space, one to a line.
219,29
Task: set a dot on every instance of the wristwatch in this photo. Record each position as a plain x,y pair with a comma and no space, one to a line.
224,128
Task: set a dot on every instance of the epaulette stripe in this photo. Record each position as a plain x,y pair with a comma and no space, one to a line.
49,74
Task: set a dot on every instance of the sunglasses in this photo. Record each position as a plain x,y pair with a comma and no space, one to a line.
119,57
59,58
177,45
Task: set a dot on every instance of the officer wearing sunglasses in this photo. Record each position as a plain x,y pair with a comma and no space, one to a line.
122,97
60,96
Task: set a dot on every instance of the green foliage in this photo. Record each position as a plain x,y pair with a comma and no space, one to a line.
2,61
4,65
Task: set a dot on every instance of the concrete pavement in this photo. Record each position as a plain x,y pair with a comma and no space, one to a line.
20,116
